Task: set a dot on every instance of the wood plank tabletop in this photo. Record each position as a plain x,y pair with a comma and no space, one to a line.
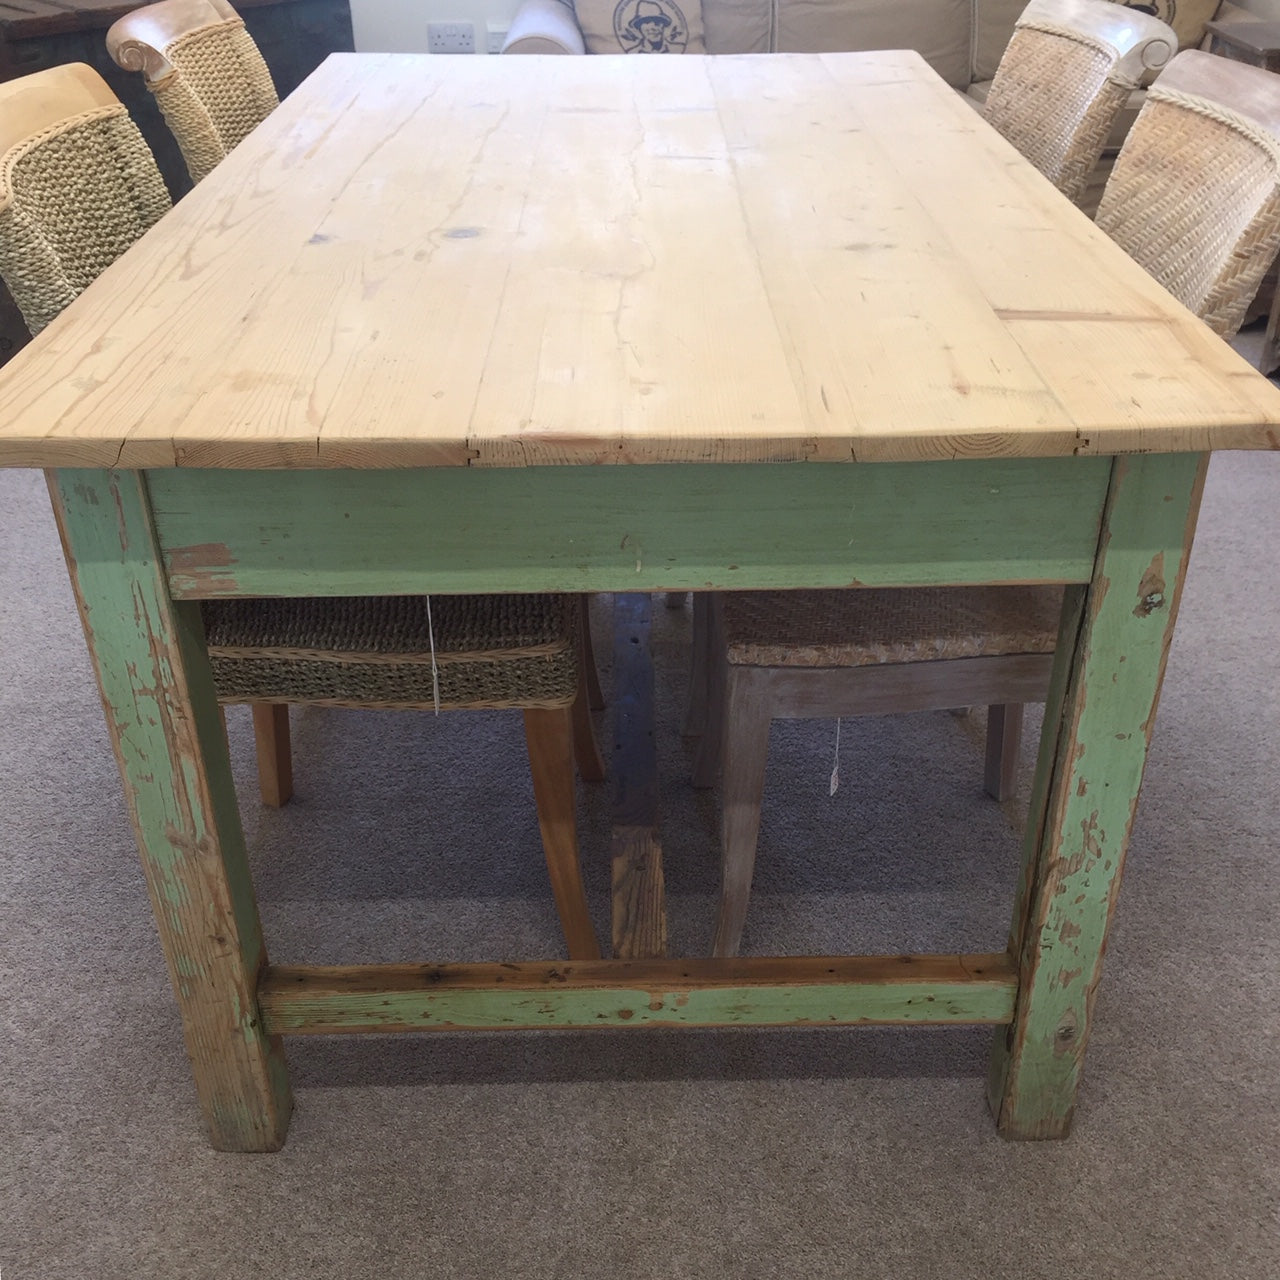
509,261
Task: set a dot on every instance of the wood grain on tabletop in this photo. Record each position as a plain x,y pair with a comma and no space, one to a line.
422,261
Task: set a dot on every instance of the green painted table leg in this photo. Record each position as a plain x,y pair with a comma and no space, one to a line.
1098,724
163,718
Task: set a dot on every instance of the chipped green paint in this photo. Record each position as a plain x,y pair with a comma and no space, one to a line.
710,525
1106,682
630,528
158,694
973,989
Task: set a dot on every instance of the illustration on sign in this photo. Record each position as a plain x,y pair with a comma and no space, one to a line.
650,26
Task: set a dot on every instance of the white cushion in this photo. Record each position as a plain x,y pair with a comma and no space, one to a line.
544,26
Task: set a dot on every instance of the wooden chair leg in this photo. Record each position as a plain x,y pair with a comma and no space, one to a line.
1269,356
586,750
1004,739
549,735
595,696
695,716
707,760
748,715
275,760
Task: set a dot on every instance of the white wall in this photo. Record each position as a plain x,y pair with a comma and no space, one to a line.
400,26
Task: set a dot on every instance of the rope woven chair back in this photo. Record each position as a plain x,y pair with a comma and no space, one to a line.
78,185
1195,193
1065,77
209,80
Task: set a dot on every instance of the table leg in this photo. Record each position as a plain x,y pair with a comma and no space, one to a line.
1269,355
1098,721
157,690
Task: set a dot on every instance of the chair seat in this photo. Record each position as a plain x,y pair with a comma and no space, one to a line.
876,626
491,651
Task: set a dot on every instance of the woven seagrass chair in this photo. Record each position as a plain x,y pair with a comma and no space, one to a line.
78,186
798,654
1195,193
209,79
1195,199
449,653
1064,78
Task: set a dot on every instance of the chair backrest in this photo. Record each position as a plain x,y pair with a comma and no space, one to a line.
1065,77
1195,193
209,79
78,185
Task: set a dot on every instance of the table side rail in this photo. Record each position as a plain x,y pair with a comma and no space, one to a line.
642,528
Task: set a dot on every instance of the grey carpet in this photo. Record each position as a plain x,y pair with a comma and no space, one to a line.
853,1153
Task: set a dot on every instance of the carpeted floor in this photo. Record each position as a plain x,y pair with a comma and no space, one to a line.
853,1153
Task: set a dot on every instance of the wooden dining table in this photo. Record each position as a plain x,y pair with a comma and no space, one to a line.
626,325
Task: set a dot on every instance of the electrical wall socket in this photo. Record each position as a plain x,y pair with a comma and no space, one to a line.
495,35
451,37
